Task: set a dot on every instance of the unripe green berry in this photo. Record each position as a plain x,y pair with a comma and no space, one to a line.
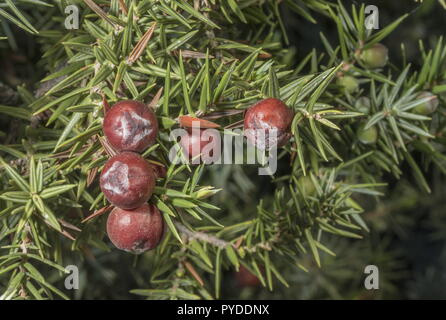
348,83
367,136
375,56
363,105
426,107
